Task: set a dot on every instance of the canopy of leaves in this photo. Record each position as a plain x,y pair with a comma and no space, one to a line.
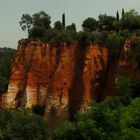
90,24
106,22
58,25
130,20
36,25
108,120
23,125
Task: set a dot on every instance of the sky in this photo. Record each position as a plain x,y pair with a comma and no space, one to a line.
76,11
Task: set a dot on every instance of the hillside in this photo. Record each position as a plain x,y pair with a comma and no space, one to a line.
65,78
6,56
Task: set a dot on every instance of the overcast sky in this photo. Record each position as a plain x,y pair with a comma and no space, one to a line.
75,10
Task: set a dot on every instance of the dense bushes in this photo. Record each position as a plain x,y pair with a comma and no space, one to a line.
38,26
130,121
6,55
23,125
108,120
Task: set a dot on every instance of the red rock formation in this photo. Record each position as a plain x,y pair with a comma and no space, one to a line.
126,66
61,77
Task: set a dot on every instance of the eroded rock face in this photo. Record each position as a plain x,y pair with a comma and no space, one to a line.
126,66
62,77
94,67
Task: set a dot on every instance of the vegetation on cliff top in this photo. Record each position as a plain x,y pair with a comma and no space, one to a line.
38,26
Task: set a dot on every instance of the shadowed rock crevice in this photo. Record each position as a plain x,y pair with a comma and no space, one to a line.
77,89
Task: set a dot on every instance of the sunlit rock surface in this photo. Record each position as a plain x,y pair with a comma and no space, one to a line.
62,77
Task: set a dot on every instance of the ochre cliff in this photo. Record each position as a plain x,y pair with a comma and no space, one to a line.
63,78
126,66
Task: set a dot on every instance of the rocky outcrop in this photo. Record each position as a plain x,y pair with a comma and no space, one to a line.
62,77
126,66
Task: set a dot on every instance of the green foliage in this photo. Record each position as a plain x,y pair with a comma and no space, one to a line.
108,120
124,89
122,12
36,24
26,22
58,25
117,15
37,32
114,43
63,36
125,33
130,20
41,19
22,125
68,132
63,20
90,24
100,122
50,35
6,55
105,23
85,38
71,27
130,121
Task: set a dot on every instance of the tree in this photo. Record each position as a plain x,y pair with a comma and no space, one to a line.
107,120
99,122
130,20
63,20
122,12
90,24
42,19
37,24
37,32
22,125
130,118
117,15
114,43
63,36
26,22
71,27
124,89
106,22
58,25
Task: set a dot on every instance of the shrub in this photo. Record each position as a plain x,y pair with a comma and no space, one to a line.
37,32
22,125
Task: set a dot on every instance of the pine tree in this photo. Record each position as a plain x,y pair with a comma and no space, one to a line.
117,15
122,12
63,19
